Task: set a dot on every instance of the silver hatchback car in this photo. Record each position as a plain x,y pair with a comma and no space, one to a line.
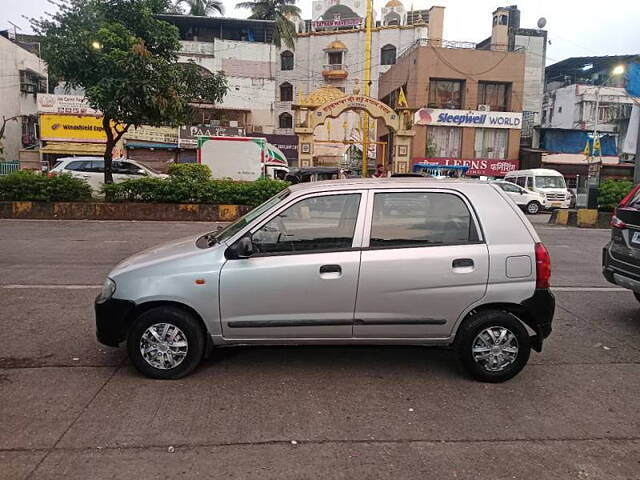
393,261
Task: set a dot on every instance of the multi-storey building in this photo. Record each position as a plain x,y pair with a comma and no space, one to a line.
469,102
330,52
24,75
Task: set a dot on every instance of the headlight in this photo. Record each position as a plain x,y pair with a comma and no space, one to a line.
108,289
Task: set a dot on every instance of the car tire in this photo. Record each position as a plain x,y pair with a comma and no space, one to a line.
172,339
479,332
637,295
533,208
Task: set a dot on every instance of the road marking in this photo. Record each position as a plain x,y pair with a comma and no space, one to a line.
588,289
49,287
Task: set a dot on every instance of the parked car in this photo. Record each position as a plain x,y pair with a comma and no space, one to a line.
530,202
91,169
545,181
621,256
462,268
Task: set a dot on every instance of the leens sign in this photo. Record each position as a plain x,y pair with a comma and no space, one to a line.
477,166
467,118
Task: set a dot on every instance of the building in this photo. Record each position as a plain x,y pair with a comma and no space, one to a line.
23,76
243,50
584,95
507,35
330,51
469,104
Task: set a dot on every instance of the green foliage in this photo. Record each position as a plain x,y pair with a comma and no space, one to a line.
29,186
199,188
126,60
280,11
200,8
190,172
611,192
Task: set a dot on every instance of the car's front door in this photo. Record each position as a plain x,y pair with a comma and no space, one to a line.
425,263
301,280
515,192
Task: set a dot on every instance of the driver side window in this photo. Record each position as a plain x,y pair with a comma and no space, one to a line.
324,223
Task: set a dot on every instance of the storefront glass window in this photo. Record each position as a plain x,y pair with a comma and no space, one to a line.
491,143
444,142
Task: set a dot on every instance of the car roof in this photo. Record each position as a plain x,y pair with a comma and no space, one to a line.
382,183
535,171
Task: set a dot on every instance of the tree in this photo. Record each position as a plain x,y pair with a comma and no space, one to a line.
202,8
280,11
125,59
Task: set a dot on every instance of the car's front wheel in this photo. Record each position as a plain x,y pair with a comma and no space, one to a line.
533,208
166,342
493,346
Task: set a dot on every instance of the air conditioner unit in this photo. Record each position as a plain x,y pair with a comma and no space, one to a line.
233,123
484,108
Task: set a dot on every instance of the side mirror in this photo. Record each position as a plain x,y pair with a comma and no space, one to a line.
243,248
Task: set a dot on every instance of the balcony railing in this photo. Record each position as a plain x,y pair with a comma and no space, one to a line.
335,71
336,66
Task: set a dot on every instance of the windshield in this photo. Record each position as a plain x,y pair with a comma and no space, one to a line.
242,222
550,182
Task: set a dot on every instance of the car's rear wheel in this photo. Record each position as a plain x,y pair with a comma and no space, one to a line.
166,343
493,346
533,208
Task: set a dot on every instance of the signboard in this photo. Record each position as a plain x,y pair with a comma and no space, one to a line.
71,128
337,22
188,135
372,106
477,167
153,134
467,118
70,104
288,144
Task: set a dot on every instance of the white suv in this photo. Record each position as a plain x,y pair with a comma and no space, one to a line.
91,169
530,202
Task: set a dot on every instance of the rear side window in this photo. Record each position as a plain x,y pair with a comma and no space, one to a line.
324,223
79,166
530,183
409,219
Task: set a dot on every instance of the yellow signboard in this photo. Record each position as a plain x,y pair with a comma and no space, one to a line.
71,128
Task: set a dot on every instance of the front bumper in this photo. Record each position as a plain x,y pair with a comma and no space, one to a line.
111,320
550,204
538,314
620,273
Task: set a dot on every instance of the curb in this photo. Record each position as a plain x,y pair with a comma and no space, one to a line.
122,211
582,218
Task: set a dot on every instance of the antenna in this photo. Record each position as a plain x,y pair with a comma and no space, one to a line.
542,22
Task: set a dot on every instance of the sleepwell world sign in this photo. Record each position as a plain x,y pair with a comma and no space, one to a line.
467,118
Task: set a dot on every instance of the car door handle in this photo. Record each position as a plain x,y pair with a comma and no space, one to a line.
462,263
330,269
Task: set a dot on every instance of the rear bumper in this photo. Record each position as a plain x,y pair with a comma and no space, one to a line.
620,273
111,320
539,315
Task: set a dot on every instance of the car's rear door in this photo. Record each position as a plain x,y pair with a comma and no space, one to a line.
302,280
423,263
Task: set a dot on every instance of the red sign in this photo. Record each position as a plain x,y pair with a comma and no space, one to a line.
477,167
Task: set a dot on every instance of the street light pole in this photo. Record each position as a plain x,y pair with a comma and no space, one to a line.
367,87
636,165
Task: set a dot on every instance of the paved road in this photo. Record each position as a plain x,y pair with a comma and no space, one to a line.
71,408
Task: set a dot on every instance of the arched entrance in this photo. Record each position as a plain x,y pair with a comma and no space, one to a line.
310,113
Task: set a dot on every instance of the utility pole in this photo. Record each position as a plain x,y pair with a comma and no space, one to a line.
367,87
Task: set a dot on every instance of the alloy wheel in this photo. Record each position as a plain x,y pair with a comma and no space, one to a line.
495,348
163,346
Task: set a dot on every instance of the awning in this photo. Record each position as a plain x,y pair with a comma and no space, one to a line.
69,148
577,159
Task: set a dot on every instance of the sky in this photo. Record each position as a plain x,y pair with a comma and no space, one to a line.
576,27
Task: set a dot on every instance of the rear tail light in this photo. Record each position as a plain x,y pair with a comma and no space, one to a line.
543,266
625,201
617,223
51,174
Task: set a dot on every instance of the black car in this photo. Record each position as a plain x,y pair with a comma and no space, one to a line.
621,256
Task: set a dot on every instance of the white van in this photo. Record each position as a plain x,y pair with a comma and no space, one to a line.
542,180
